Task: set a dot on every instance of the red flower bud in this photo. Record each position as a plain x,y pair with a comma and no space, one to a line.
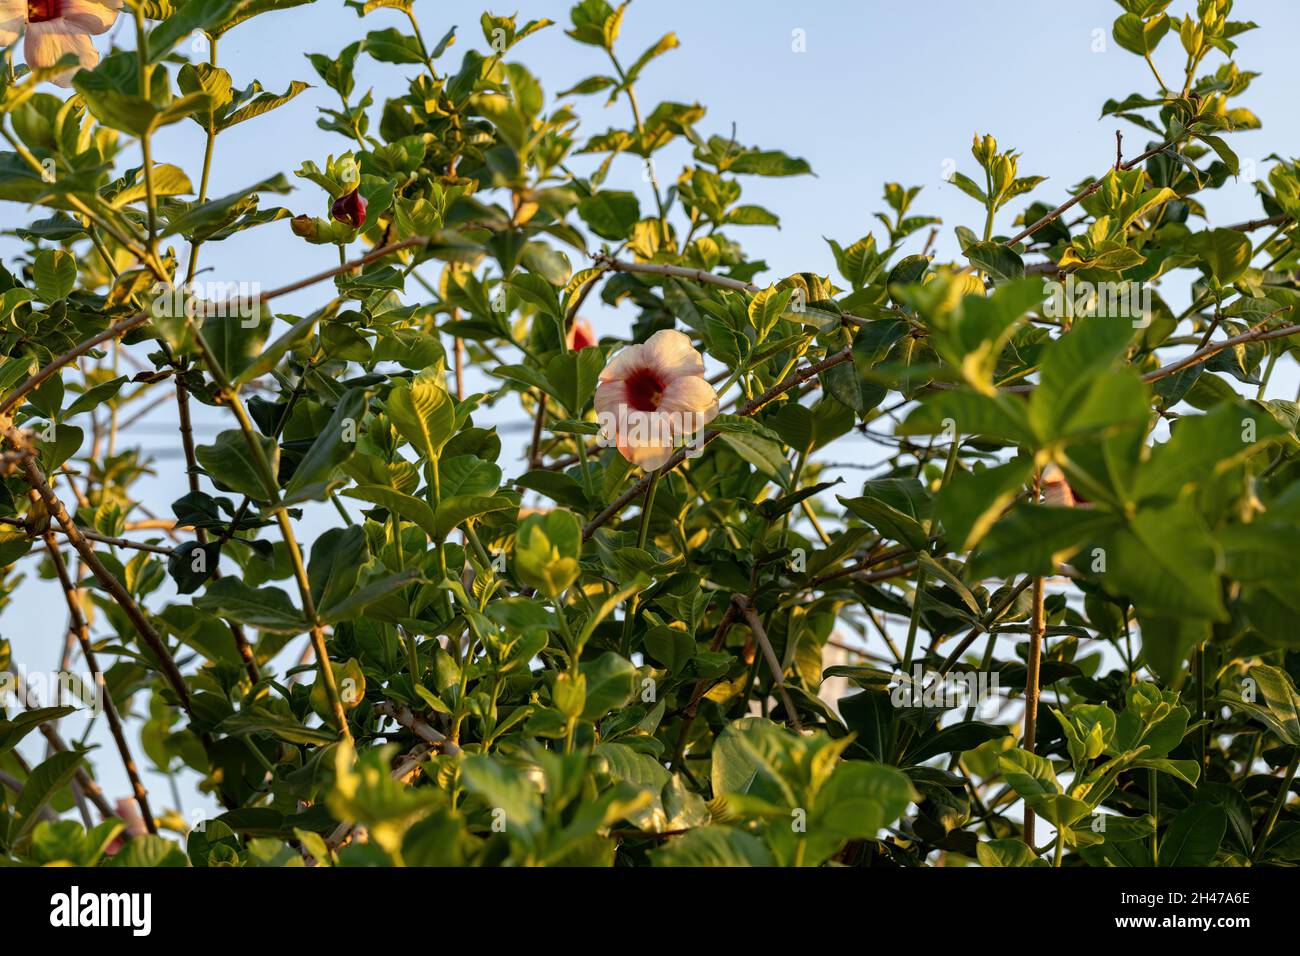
350,209
581,335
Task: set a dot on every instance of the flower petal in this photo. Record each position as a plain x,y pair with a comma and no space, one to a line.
46,44
626,361
672,353
692,403
648,457
13,14
92,16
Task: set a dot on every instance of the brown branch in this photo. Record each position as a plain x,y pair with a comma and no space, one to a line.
101,538
416,725
82,632
27,698
1084,194
151,638
701,686
242,647
122,326
778,674
1256,334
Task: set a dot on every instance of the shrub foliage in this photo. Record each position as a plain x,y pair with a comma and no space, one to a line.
1079,497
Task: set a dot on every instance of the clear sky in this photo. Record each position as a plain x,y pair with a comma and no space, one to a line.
885,91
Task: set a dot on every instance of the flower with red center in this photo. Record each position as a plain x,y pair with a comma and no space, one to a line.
350,209
581,335
653,398
56,28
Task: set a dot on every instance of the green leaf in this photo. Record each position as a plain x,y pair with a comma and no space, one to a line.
716,845
42,784
259,720
611,683
547,548
404,506
424,414
23,723
1281,698
573,377
267,609
314,476
888,521
194,15
1193,838
55,274
454,511
1224,254
229,461
610,214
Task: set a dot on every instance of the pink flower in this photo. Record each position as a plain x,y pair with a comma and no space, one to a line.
1056,490
57,27
653,397
581,335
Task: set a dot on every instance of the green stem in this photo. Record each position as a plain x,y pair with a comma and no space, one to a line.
913,623
1276,809
1153,799
208,151
646,508
146,75
640,131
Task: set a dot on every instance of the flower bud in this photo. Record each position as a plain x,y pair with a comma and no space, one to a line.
350,209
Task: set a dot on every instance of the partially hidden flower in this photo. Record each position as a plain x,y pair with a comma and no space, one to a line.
653,398
56,28
128,811
581,335
1055,488
350,209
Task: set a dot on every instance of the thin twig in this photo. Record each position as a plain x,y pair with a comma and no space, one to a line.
35,478
82,632
778,674
1084,194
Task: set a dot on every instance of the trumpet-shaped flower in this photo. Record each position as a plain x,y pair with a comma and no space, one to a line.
653,398
56,28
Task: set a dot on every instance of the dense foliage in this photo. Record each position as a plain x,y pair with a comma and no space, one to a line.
1074,498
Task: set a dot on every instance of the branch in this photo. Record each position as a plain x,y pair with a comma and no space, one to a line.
35,478
122,326
697,275
778,674
1085,193
82,633
101,538
416,725
1257,334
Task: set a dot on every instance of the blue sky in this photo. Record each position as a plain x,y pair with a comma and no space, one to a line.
884,92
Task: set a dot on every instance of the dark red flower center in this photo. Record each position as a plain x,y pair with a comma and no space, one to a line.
645,390
38,11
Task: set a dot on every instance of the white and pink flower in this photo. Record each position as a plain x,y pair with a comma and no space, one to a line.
653,398
55,28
